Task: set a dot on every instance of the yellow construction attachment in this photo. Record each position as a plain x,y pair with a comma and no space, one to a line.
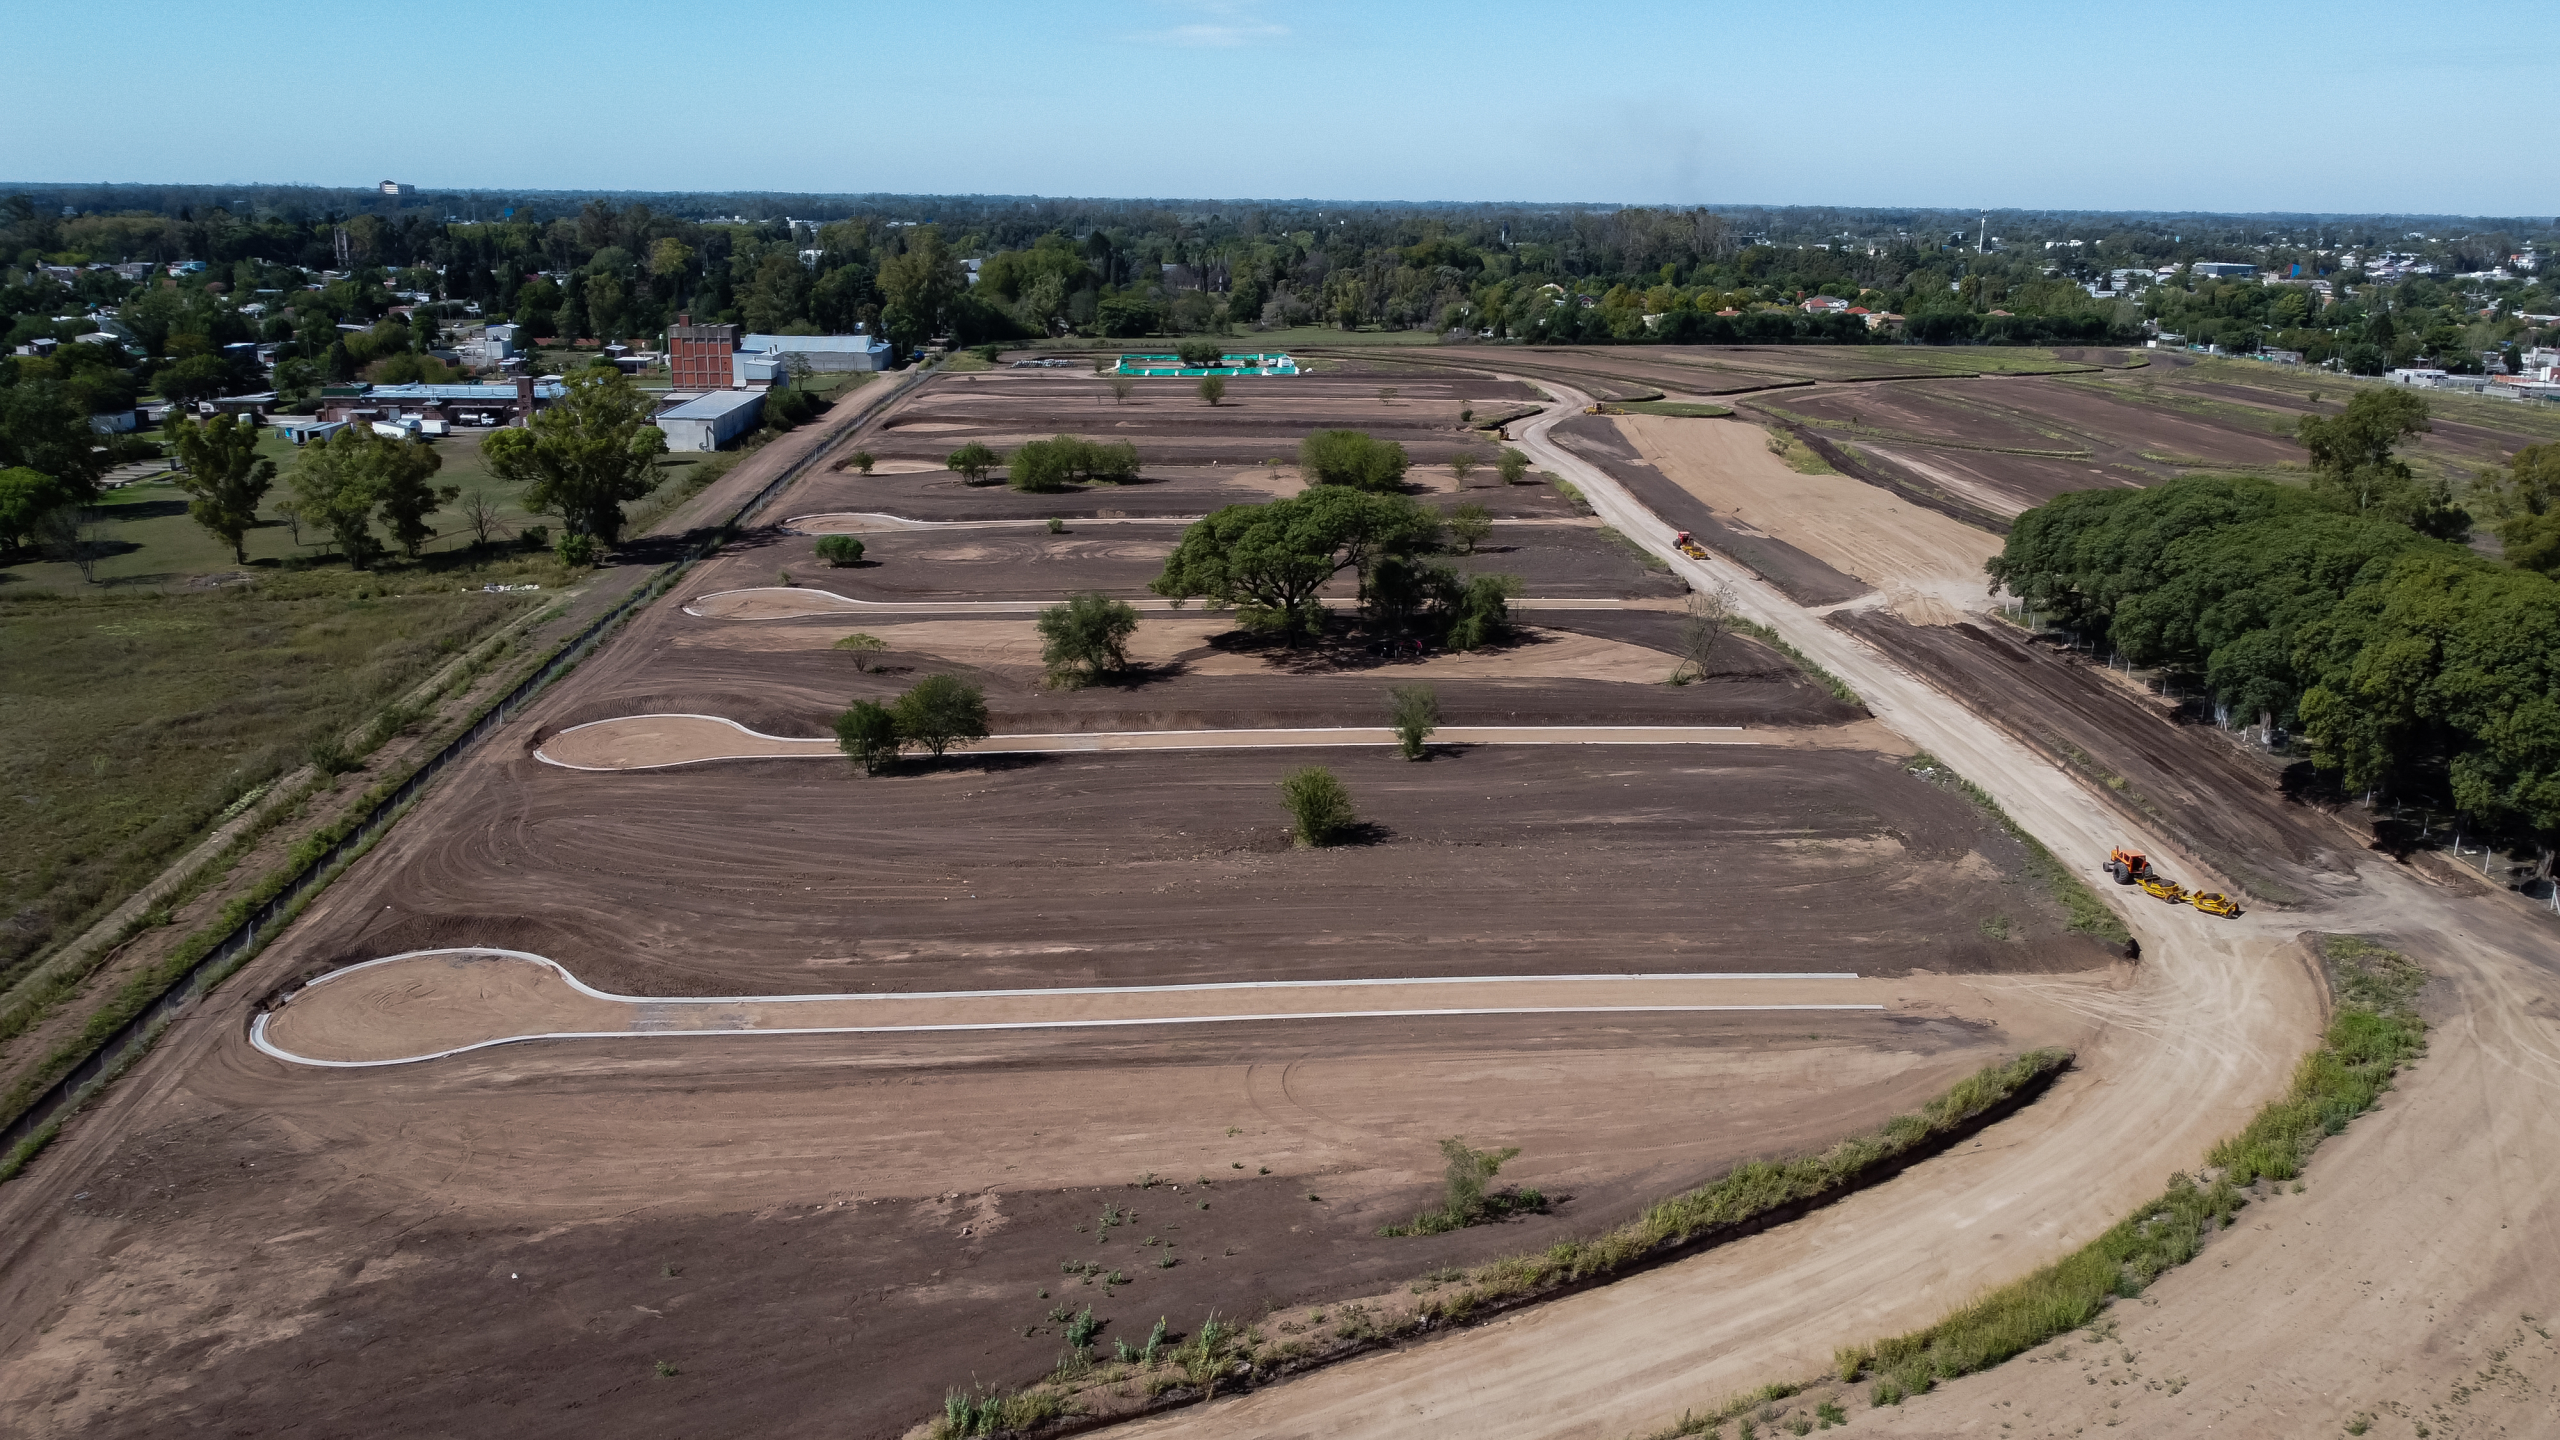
2160,887
2214,902
1689,547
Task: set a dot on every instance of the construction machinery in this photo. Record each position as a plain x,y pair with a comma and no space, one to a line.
2214,902
2127,866
1688,546
2160,887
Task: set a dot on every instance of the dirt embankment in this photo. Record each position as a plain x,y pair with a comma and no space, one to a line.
2186,779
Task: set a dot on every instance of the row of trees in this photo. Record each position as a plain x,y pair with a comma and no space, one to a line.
2346,611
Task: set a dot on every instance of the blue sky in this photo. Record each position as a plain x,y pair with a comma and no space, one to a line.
2231,106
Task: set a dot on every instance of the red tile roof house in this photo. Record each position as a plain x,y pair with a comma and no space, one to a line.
1825,302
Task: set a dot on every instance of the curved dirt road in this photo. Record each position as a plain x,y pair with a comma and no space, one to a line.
2212,1030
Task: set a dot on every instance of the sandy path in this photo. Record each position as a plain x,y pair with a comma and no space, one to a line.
2210,1029
1928,566
649,742
427,1005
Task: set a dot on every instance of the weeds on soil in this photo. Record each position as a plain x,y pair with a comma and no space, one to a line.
1838,687
1466,1200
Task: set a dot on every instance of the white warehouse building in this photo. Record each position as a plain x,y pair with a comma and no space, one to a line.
708,422
824,352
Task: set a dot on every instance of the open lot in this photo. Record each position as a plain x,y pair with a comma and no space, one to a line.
652,1232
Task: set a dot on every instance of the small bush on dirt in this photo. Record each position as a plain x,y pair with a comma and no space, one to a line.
1353,458
1057,526
1086,640
1318,805
840,550
972,462
862,461
941,711
1465,1199
1512,465
577,550
868,734
1463,463
331,758
1483,611
1051,465
1413,711
1469,525
1213,388
863,646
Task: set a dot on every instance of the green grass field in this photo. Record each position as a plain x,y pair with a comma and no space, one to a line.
134,717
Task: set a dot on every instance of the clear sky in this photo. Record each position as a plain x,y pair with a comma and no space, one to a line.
2234,106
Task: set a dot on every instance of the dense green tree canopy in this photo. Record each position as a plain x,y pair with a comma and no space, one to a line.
586,455
220,466
1268,561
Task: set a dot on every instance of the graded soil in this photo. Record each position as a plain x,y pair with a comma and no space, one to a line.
1927,566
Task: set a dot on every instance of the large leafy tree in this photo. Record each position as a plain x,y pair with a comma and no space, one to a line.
2525,498
335,487
222,469
27,496
586,455
404,472
920,284
44,429
2356,467
1268,561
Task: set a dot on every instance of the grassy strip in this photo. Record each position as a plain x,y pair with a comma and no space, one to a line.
27,1149
1838,687
146,986
1751,1195
2089,914
2374,1032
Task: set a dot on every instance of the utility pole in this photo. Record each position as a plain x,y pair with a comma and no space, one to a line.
1980,235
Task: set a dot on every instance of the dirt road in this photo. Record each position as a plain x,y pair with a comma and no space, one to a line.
2210,1031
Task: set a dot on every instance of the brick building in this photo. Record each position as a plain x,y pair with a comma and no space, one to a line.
698,355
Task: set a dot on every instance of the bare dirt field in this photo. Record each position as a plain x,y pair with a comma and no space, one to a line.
821,1234
1927,566
2247,819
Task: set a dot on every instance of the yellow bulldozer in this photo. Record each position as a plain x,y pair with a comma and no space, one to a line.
2160,887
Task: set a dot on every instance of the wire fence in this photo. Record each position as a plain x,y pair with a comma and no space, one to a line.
243,943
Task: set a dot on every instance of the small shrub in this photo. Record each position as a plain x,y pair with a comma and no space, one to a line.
576,550
534,537
1199,354
667,1370
1413,711
1087,639
1469,525
863,646
972,462
1465,1199
1353,458
1512,465
1462,465
1830,1413
840,550
862,461
1319,806
1057,526
1884,1392
331,758
1080,1330
1213,388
